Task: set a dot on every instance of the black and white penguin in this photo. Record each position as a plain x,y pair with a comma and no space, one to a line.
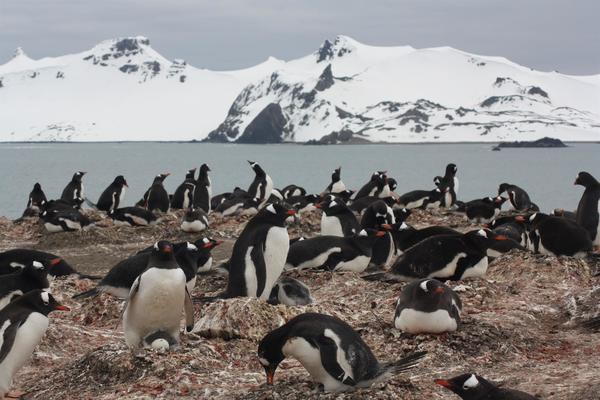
401,214
485,210
376,187
392,184
336,185
132,216
305,203
474,387
557,236
156,197
23,324
588,210
33,276
37,198
218,199
380,216
448,184
194,220
334,253
276,196
421,199
156,301
203,192
262,185
330,350
113,195
359,205
514,227
59,205
66,220
74,189
238,204
290,292
16,259
183,197
405,236
427,306
292,191
337,219
259,253
205,258
518,197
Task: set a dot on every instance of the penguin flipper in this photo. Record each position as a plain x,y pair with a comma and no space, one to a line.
90,203
332,261
134,290
88,293
329,359
8,338
189,312
258,257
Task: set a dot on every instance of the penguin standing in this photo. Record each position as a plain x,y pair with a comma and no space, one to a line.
336,185
427,306
33,276
331,351
518,197
23,323
203,191
474,387
132,216
376,187
380,216
558,236
262,185
588,210
337,219
113,195
156,197
157,298
449,185
183,197
37,198
74,189
259,253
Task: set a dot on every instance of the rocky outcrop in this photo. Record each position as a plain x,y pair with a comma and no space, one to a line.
266,127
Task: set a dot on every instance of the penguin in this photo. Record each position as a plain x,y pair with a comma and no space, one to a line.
74,189
331,351
60,205
218,199
259,253
113,195
558,236
13,260
65,220
33,276
512,227
132,216
194,220
205,258
421,199
336,185
588,209
474,387
37,198
276,196
561,212
448,184
406,236
156,300
444,257
359,206
238,205
376,186
23,324
183,197
292,190
203,191
392,184
290,292
518,197
380,216
337,219
156,197
304,203
485,210
427,306
401,214
334,253
262,185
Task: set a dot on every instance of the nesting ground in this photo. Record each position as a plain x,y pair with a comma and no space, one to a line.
520,326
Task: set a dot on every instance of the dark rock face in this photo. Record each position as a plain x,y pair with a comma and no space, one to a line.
325,80
130,44
325,52
266,127
543,142
535,90
129,68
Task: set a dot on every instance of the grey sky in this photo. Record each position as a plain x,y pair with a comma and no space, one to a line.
230,34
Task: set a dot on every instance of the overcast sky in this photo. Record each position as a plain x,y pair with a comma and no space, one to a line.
229,34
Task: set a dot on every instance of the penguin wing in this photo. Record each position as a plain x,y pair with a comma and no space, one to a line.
189,312
258,257
329,359
8,337
134,290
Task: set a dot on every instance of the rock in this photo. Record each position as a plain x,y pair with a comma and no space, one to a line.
543,142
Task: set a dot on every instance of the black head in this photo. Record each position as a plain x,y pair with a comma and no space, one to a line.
483,238
499,201
503,188
256,167
40,301
451,169
401,214
276,213
467,386
536,218
37,271
163,250
331,204
392,184
586,179
191,174
207,243
120,180
336,175
204,168
77,176
431,288
270,353
37,187
437,180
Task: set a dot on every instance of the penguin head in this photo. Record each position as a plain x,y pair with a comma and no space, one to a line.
191,174
276,213
77,176
451,169
431,287
483,238
336,175
37,187
163,250
120,181
503,188
41,301
207,243
499,201
256,168
392,184
37,271
204,168
467,386
331,204
161,177
270,353
586,179
401,214
437,180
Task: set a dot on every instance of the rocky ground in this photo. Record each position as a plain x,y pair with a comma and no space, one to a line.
520,326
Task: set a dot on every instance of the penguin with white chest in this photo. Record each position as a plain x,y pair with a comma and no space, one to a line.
203,191
336,185
113,195
23,324
427,306
37,198
556,236
421,199
448,184
183,197
259,253
262,185
65,220
380,216
132,216
337,219
290,292
33,276
485,210
376,187
157,298
74,190
331,351
474,387
156,197
518,197
194,220
588,210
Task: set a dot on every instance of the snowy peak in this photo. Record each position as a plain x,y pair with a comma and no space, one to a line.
341,45
20,53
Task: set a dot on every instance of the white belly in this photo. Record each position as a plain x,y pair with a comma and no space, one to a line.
447,199
385,192
207,265
318,260
358,264
28,337
193,226
414,204
456,184
118,222
71,224
338,187
232,210
137,220
331,226
449,269
276,250
121,196
52,228
186,199
413,321
478,270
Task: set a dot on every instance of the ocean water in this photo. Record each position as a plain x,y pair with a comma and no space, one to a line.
547,174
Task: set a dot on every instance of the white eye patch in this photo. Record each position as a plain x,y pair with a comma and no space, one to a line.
38,265
191,246
205,240
471,382
271,209
362,233
45,297
423,286
403,226
481,232
332,204
156,246
532,217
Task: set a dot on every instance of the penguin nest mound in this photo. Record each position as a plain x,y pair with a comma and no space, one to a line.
519,328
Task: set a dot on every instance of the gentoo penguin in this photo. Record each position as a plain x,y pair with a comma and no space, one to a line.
427,306
194,220
444,257
58,205
64,220
448,184
156,197
379,215
276,196
203,191
37,198
183,197
23,323
74,189
588,209
361,204
33,276
485,210
336,185
334,253
235,205
512,227
376,186
156,300
337,219
16,259
421,199
292,190
557,236
406,236
401,214
259,253
305,203
392,184
331,351
218,199
262,185
290,292
518,197
113,195
132,216
474,387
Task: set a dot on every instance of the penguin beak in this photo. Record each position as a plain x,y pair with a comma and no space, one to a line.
439,290
319,205
270,375
60,307
444,383
500,237
291,212
168,249
387,227
55,261
520,218
380,233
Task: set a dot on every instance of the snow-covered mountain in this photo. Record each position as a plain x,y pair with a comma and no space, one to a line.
346,91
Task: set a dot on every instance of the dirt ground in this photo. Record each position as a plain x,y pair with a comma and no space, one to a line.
519,326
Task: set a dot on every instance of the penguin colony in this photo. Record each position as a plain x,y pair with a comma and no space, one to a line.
362,231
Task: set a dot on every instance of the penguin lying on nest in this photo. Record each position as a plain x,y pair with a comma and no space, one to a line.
474,387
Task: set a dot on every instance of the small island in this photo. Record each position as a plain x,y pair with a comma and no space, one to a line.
545,142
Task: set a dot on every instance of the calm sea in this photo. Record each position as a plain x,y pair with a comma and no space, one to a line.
547,174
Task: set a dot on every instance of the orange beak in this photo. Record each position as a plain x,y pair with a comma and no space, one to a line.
168,249
62,308
318,205
387,227
500,237
380,233
291,212
444,383
520,218
55,261
439,290
270,377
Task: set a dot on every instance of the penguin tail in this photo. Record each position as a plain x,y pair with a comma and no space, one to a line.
381,277
90,203
90,277
89,293
406,363
592,324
